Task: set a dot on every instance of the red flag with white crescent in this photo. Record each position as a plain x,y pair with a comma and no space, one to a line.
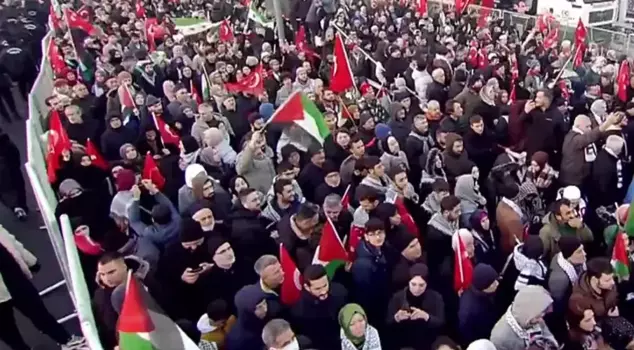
252,84
341,78
225,34
623,80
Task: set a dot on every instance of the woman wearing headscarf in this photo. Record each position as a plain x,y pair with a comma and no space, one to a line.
484,238
416,313
75,201
131,159
356,333
253,313
190,153
217,146
434,170
542,174
392,156
468,191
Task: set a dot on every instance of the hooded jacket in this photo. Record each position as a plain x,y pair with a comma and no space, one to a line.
247,332
113,139
509,332
456,164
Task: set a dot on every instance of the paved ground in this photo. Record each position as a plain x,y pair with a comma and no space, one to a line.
37,241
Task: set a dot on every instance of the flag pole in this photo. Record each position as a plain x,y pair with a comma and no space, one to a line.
70,33
367,55
561,72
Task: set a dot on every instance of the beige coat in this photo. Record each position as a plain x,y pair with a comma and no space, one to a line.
23,257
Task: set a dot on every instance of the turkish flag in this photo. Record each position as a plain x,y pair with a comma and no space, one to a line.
252,84
292,285
225,33
623,80
580,33
151,172
75,21
139,9
421,6
580,53
58,142
463,268
95,156
57,61
167,134
341,76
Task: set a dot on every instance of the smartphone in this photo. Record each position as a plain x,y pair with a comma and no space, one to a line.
196,269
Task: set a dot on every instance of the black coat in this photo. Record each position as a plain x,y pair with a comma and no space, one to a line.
309,179
476,315
250,235
417,334
371,279
317,319
438,92
604,179
302,251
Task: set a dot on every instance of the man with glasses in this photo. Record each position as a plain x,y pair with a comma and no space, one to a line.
371,272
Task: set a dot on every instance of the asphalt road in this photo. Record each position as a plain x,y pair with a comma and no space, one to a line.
36,240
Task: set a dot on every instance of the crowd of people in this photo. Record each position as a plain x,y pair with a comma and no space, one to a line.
478,182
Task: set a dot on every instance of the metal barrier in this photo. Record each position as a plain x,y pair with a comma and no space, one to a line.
64,247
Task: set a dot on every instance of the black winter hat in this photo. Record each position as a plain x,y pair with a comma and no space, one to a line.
213,243
400,240
483,276
568,245
190,231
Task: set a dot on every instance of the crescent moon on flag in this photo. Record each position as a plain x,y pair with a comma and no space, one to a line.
256,81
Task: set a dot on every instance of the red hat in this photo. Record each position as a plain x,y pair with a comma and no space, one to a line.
365,88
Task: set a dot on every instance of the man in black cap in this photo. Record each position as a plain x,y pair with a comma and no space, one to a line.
410,253
332,183
477,313
184,268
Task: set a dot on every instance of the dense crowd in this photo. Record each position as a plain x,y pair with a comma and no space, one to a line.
468,188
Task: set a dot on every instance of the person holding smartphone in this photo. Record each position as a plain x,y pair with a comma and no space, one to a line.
184,268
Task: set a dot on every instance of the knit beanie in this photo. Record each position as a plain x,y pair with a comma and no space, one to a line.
266,110
540,157
189,144
213,243
125,180
568,245
533,247
190,231
483,276
400,240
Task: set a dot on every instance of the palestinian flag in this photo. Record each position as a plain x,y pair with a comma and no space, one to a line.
620,259
300,110
330,253
135,324
142,325
258,17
